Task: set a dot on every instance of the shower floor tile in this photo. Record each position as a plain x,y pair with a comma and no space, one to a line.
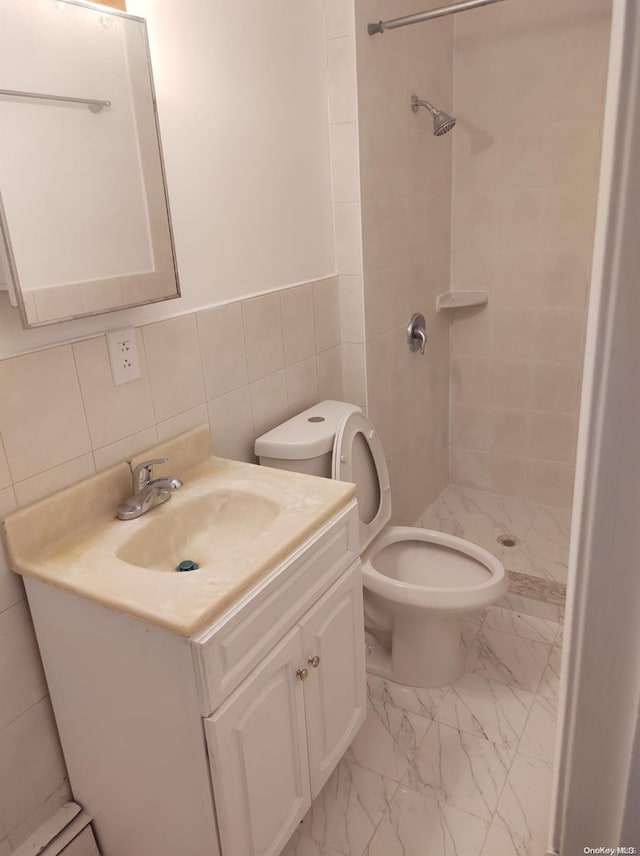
541,531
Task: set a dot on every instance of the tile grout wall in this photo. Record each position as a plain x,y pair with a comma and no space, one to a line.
406,226
529,95
242,368
345,178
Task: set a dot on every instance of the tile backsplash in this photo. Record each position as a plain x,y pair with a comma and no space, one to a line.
241,367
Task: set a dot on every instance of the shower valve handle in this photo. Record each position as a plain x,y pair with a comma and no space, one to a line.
417,332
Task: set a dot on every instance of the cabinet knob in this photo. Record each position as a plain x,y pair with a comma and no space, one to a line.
303,674
314,661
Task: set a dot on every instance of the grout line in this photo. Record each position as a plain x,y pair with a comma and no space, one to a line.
63,783
42,697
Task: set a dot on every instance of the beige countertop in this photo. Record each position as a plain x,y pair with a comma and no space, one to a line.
72,539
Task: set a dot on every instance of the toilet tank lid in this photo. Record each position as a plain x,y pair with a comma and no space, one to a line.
307,435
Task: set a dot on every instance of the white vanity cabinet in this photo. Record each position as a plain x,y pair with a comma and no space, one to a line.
276,740
214,744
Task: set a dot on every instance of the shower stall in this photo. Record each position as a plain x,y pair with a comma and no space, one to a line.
480,432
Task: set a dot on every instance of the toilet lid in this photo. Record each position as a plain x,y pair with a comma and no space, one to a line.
358,457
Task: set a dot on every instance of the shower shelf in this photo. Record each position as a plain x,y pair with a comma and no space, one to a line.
461,299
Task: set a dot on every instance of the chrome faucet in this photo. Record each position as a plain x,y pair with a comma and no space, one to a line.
147,491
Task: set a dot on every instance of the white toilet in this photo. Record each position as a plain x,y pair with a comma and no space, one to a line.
418,583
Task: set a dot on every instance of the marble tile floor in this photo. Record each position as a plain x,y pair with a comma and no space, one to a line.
542,531
461,771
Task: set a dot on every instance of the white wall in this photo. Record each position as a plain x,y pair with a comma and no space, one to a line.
242,97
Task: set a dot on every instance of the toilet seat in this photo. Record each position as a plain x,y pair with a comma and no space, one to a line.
408,565
458,576
358,457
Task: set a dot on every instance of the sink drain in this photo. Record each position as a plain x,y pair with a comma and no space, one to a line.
187,565
507,540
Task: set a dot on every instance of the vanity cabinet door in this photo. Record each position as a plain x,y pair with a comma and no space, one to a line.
258,753
335,690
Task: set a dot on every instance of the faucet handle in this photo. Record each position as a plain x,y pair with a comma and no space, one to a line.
142,474
416,332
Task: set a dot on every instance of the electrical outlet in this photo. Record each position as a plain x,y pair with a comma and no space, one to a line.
123,353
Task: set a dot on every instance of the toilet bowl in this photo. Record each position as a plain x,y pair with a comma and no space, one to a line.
418,584
424,582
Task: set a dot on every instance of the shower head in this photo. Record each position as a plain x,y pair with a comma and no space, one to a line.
442,122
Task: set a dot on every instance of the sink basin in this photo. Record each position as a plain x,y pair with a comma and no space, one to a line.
205,530
237,521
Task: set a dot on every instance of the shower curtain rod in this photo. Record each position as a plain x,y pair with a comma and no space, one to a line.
381,26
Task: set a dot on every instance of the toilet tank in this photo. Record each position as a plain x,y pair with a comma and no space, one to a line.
304,443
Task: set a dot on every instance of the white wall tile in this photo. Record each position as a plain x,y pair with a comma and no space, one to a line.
5,475
175,367
231,422
42,418
344,162
298,327
550,482
326,312
124,449
183,422
302,385
339,18
263,335
341,80
11,588
348,240
353,374
330,382
57,478
269,403
224,360
112,411
21,676
351,309
31,764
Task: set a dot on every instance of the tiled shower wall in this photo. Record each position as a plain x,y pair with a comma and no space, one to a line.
529,94
243,368
345,186
406,225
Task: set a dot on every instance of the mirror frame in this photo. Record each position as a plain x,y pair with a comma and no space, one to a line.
15,290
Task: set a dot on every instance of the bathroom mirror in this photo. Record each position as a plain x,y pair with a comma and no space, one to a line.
84,214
